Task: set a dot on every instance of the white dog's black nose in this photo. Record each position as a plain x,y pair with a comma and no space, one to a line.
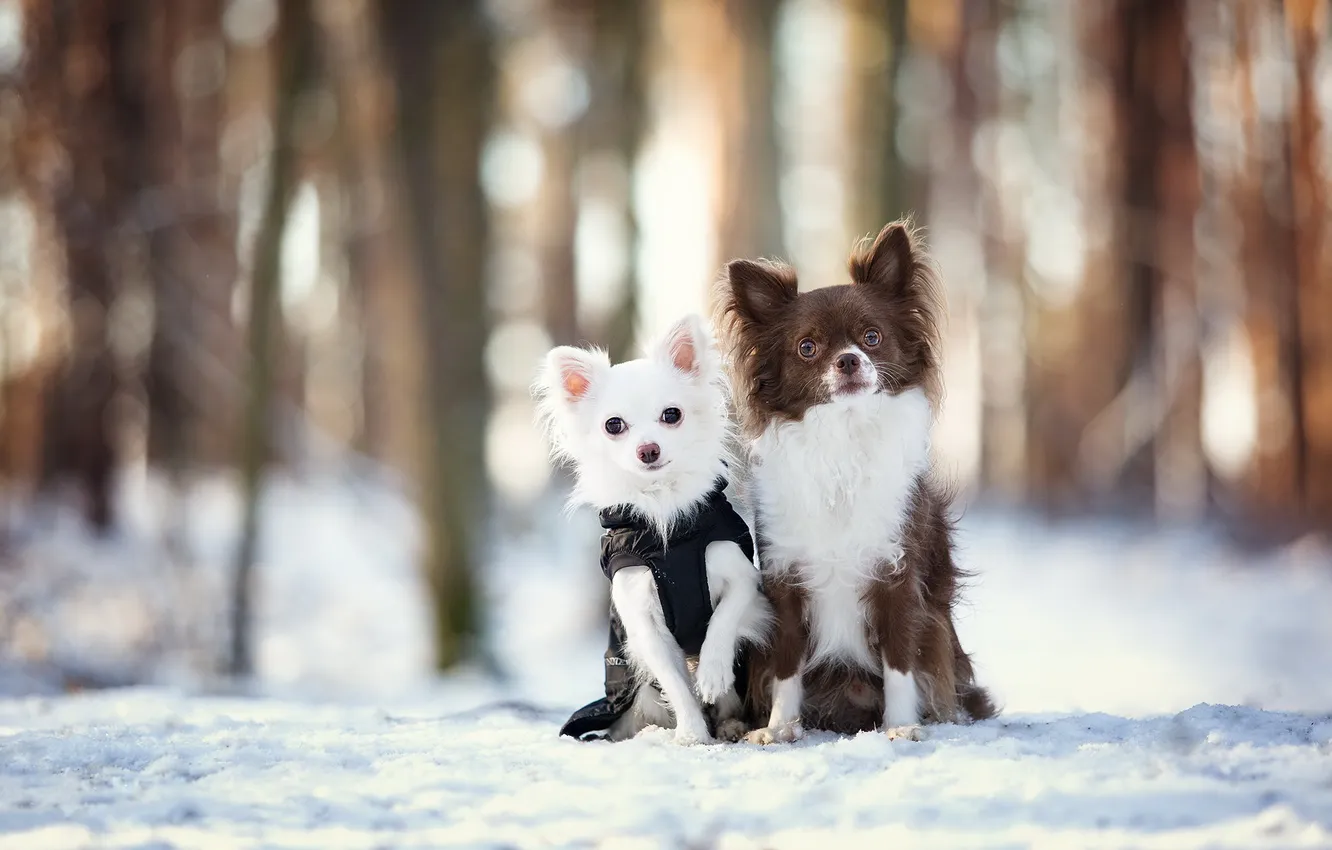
649,453
848,363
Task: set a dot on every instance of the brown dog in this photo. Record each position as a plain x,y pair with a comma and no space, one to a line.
837,389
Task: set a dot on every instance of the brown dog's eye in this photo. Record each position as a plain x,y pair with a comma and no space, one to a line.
807,348
872,337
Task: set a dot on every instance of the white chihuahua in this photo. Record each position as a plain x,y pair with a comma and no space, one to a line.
650,442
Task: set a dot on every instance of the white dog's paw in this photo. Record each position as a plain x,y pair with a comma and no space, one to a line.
731,730
690,735
906,733
785,733
715,677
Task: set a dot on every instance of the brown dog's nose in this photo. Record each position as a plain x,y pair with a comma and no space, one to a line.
848,363
649,452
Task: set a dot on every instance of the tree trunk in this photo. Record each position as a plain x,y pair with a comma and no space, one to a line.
557,201
23,373
1122,428
1271,489
187,209
1160,197
981,208
1065,394
558,219
749,217
293,57
613,128
879,191
441,64
375,243
1307,22
71,66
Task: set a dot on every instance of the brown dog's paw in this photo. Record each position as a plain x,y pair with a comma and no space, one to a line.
786,733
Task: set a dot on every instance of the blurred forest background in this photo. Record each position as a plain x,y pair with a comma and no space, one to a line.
243,239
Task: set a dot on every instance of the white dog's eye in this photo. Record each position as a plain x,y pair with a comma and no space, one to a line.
614,425
671,416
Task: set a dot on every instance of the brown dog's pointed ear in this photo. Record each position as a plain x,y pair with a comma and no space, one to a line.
889,264
760,290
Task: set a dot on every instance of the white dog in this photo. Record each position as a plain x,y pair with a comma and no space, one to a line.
650,441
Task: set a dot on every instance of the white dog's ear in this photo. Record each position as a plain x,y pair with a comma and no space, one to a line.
687,347
570,373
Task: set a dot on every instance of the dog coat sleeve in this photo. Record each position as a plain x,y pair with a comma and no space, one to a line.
674,571
621,688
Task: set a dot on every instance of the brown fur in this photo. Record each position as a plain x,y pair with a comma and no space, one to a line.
761,320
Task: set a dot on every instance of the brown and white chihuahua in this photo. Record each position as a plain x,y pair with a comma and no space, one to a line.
836,390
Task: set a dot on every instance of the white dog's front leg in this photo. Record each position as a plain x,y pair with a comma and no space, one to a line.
650,644
733,584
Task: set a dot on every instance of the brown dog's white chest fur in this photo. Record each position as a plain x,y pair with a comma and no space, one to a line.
833,492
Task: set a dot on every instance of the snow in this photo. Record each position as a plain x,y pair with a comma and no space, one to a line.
1161,689
340,604
1097,617
151,768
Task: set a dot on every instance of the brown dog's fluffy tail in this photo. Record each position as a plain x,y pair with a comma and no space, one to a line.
975,701
971,697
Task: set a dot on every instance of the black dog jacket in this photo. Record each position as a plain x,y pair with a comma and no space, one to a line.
679,568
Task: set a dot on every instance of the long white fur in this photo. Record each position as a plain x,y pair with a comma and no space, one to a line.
650,646
608,472
740,613
833,491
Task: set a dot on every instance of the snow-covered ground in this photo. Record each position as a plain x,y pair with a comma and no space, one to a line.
1160,690
148,769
